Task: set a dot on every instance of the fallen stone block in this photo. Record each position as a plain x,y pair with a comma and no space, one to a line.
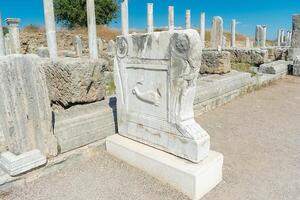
83,124
15,165
276,67
74,81
248,55
215,62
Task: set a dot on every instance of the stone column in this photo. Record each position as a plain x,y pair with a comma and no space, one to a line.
2,47
233,30
282,37
77,45
171,18
7,44
202,28
100,45
264,36
216,36
279,37
248,45
14,34
259,36
91,18
188,19
50,28
150,17
124,17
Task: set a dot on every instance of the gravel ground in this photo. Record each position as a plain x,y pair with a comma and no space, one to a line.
259,135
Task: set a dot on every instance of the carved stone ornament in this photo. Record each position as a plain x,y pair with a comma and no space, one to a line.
155,76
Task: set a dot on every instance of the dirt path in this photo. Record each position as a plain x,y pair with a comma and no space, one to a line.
259,135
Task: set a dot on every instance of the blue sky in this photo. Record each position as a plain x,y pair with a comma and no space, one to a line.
273,13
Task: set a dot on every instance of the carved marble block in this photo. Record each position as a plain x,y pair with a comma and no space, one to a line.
155,76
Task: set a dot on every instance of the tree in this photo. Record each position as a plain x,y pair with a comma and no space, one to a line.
72,13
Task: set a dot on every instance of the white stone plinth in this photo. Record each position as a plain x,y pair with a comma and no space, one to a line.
194,180
16,165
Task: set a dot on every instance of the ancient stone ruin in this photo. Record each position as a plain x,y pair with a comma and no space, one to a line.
136,95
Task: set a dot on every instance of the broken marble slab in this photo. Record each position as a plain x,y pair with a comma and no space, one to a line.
276,67
15,165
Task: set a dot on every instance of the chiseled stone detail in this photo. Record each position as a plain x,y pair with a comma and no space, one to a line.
15,165
74,81
215,62
26,117
156,75
216,36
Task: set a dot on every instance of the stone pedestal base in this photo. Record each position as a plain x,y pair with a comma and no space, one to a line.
194,180
15,165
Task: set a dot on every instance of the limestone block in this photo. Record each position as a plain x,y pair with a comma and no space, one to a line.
194,180
84,124
215,62
296,32
43,52
16,165
296,66
276,67
75,81
250,56
25,119
155,77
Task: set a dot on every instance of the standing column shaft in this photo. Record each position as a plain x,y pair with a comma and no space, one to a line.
171,18
150,17
188,19
124,17
2,47
264,36
202,28
7,44
14,35
282,36
91,18
248,45
50,28
233,30
279,38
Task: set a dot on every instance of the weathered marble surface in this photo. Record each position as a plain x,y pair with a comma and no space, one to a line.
2,46
15,165
294,51
156,75
276,67
84,124
50,27
255,56
215,62
14,35
25,119
75,81
296,66
216,36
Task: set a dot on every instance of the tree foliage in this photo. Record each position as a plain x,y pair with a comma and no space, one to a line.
72,13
